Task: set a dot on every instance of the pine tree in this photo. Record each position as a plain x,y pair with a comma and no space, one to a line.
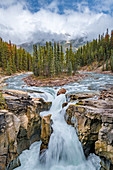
111,39
71,56
107,65
24,60
17,58
35,61
58,59
44,61
70,69
8,69
4,56
49,59
111,60
55,58
103,67
67,58
62,59
20,59
13,64
52,74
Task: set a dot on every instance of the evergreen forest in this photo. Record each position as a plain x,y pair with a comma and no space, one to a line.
13,59
51,60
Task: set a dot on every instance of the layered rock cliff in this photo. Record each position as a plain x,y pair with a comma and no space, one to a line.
92,118
20,125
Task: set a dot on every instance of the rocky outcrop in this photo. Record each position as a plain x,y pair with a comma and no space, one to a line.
46,131
93,120
87,121
20,125
52,82
79,96
61,91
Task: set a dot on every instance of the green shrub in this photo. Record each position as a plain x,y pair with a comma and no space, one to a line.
2,102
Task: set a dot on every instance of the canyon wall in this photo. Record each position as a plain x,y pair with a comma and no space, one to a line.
92,118
20,125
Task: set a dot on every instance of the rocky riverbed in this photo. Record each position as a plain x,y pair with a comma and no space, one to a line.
21,123
60,81
4,77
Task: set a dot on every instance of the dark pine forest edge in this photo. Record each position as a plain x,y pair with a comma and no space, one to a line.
51,60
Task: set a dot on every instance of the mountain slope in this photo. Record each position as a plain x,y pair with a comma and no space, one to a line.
76,43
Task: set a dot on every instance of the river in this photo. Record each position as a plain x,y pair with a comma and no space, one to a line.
64,151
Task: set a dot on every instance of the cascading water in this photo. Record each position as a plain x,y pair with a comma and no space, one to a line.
64,146
64,151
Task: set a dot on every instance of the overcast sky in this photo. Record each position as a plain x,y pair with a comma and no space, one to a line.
29,20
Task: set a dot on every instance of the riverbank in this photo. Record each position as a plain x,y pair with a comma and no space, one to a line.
58,81
4,77
24,124
94,68
98,72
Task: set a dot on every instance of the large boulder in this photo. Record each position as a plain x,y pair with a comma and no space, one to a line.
46,131
61,91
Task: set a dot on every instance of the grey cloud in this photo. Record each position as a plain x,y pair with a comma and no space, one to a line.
20,25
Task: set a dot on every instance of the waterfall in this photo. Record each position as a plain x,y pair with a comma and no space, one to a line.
64,150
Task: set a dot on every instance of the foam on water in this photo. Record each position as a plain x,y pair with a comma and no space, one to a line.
64,150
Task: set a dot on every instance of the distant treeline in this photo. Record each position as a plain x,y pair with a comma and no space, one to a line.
50,60
47,61
100,50
13,59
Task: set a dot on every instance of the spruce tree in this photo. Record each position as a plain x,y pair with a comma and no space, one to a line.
8,69
111,60
62,59
35,61
70,69
13,64
107,65
55,58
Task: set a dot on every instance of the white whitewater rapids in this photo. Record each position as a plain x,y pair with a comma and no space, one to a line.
64,151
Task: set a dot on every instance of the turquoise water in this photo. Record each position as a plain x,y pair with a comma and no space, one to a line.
64,151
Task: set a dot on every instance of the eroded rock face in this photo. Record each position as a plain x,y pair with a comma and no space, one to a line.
104,144
61,91
80,96
46,131
93,120
87,121
20,126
